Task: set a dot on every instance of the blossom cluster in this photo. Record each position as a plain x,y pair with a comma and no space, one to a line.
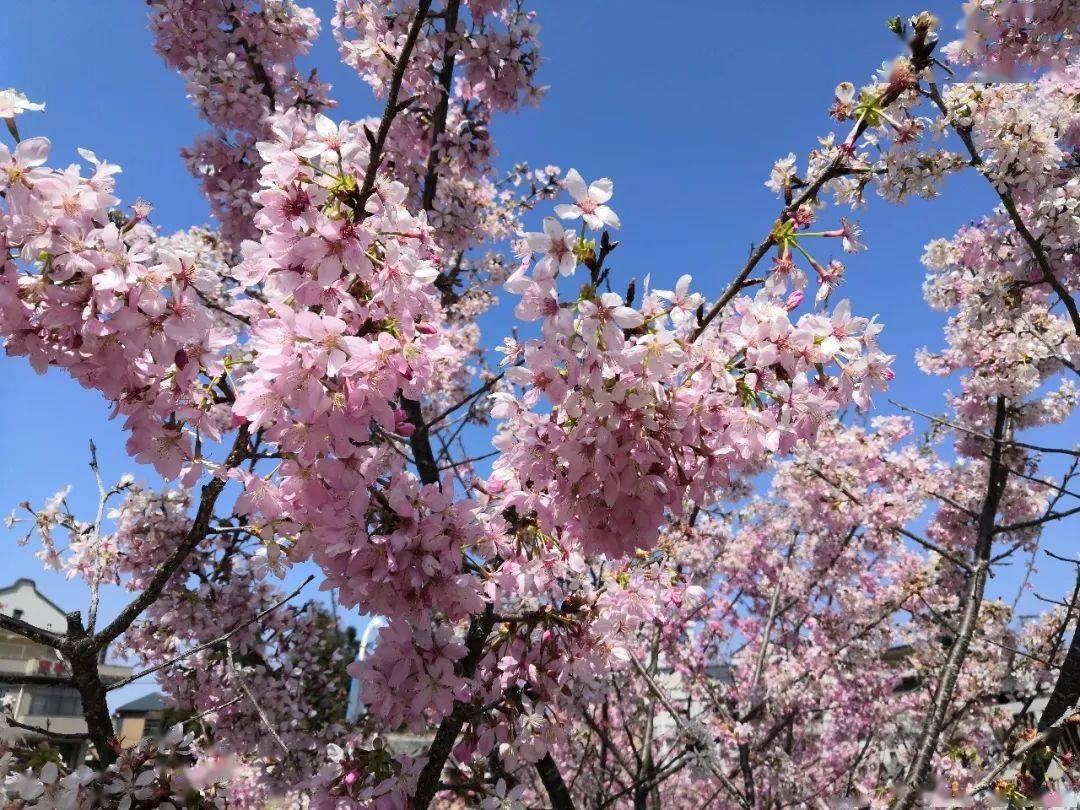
84,287
158,773
238,60
642,408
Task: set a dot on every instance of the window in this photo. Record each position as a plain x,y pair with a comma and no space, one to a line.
55,701
152,727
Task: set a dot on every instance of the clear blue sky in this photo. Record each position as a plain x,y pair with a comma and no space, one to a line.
685,109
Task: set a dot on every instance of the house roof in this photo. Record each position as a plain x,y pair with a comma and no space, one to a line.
153,702
27,581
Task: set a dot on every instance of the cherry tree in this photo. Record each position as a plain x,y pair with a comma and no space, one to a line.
607,616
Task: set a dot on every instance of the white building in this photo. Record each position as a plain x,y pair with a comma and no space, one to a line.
53,707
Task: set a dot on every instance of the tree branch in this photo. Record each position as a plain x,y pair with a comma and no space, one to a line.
60,736
391,110
554,784
35,680
1037,252
1006,442
199,527
676,716
427,784
27,630
835,168
212,643
1064,696
442,109
1034,742
919,769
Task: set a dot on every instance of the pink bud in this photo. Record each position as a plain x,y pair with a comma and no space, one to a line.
793,300
425,328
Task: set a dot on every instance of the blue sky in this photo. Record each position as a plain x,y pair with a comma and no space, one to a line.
685,109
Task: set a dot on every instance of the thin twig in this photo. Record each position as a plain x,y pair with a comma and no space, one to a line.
390,111
235,671
95,576
479,392
213,643
1006,442
676,715
196,533
1038,739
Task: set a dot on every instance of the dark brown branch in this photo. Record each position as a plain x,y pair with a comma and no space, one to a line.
442,109
27,630
82,654
420,442
378,143
12,679
1039,521
556,788
199,527
479,392
934,722
82,649
60,736
1003,442
676,715
427,784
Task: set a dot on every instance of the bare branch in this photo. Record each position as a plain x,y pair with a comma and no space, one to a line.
238,674
1006,442
479,392
61,736
27,630
898,529
554,784
12,679
210,492
997,476
1039,521
676,715
212,643
95,576
774,604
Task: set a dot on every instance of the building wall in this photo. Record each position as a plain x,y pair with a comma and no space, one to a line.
23,601
52,706
131,730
